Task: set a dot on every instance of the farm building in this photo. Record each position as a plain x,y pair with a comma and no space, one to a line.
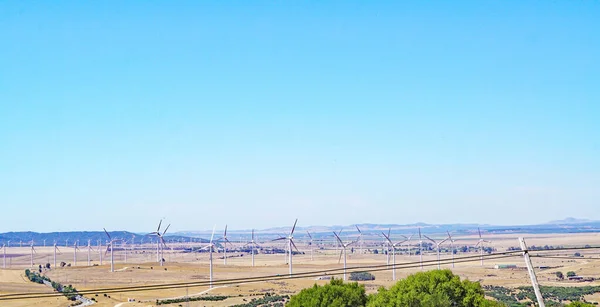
505,266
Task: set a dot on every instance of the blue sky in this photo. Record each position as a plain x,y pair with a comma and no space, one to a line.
253,113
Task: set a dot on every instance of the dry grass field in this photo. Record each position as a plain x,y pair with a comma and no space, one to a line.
142,269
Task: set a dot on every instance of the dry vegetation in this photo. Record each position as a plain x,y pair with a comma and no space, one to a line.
142,269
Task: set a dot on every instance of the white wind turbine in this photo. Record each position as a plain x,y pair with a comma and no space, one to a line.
89,258
437,244
480,244
55,249
110,246
310,243
393,245
75,249
359,239
343,251
211,245
451,246
4,258
290,240
32,251
160,242
420,248
252,244
225,241
100,250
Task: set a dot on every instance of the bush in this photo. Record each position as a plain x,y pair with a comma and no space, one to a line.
335,294
571,274
438,288
361,276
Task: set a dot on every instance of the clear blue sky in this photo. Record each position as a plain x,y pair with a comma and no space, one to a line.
118,113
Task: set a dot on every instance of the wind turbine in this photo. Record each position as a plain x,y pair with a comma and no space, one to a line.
159,240
437,244
480,244
4,259
252,244
310,243
32,251
110,246
75,248
290,239
393,245
211,245
55,249
89,251
100,250
225,241
359,239
343,251
420,249
66,242
451,246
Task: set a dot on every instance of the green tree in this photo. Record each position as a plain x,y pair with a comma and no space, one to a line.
335,294
571,274
579,304
438,288
560,275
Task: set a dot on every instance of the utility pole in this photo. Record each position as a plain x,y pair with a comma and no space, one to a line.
534,282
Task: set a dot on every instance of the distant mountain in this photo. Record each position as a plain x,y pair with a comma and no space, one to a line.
571,220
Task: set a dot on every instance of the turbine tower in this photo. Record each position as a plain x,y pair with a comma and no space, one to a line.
290,241
393,245
343,251
437,244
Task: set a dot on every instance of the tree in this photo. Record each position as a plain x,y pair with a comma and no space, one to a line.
335,294
560,275
438,288
579,304
571,274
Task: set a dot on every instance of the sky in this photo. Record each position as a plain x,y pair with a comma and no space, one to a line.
118,114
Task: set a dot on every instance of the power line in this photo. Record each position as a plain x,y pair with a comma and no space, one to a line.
318,273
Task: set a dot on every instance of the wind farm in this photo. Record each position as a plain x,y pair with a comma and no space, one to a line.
311,257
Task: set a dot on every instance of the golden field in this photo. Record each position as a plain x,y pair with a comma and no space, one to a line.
141,269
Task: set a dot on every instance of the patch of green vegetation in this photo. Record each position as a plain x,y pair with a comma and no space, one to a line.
192,299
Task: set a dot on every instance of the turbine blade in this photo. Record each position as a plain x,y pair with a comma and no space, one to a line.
252,234
159,223
225,233
338,238
387,238
106,232
443,241
166,229
430,239
294,227
294,245
479,230
341,252
358,229
309,234
213,234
